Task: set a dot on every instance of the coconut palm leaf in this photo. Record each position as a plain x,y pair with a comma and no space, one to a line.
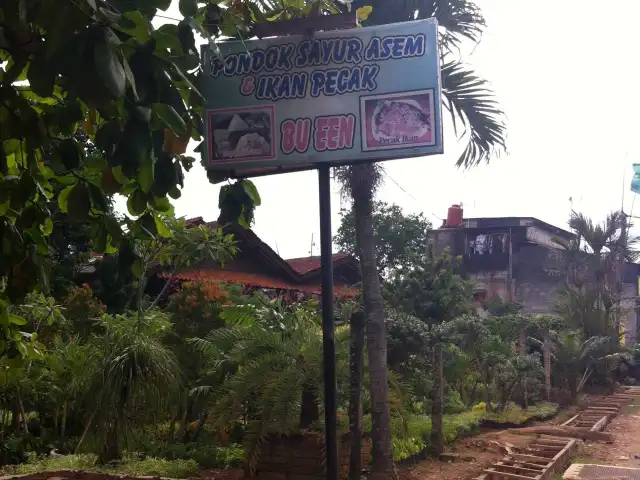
475,113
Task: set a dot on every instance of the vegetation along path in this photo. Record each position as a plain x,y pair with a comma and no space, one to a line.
466,458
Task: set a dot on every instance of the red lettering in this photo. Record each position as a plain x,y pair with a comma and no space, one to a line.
347,126
334,133
287,136
320,134
303,134
295,135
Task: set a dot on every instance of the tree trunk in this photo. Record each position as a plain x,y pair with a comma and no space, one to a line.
356,360
23,414
200,427
63,426
437,427
546,350
15,418
362,192
523,351
110,450
172,426
56,419
309,411
85,432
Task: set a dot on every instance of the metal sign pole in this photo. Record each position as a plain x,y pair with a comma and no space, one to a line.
328,343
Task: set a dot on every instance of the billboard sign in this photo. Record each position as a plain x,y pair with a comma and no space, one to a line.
288,103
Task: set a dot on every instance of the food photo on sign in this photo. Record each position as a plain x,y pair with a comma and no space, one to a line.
288,103
397,120
242,133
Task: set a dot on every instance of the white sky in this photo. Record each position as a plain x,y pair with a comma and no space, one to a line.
565,72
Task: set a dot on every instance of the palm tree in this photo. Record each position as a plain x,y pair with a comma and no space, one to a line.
470,102
591,297
136,377
273,359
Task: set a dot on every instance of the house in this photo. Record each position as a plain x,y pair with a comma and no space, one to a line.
519,259
258,266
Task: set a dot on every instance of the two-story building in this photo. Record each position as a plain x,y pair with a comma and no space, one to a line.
520,259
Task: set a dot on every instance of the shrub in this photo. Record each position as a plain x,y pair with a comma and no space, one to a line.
137,466
514,415
453,403
131,464
413,438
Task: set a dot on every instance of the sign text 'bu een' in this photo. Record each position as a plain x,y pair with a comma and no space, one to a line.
338,97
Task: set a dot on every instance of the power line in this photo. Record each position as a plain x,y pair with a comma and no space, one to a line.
408,193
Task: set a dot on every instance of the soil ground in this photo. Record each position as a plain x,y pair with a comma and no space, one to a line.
625,451
475,453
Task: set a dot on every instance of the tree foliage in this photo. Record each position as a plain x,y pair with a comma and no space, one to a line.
397,236
430,288
89,76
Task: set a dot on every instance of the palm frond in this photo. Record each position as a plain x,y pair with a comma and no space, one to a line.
475,113
459,20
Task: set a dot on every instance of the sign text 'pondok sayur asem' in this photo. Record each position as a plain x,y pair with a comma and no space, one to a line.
341,96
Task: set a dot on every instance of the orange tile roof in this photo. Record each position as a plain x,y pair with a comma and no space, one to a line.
256,280
306,264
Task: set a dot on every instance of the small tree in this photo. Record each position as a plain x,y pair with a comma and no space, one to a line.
432,291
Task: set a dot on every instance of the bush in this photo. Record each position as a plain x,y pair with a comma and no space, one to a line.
131,464
404,448
453,403
514,415
414,437
137,466
39,463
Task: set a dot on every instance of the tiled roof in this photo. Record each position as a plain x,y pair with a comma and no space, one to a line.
255,280
306,264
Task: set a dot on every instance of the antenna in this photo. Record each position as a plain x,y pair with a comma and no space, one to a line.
277,249
312,245
624,180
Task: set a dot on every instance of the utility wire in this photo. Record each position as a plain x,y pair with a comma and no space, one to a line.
408,193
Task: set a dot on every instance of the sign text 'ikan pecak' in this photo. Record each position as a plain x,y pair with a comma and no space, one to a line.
288,103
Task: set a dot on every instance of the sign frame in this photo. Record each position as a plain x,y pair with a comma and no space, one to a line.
279,162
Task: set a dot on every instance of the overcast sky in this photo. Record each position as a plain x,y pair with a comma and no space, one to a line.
566,74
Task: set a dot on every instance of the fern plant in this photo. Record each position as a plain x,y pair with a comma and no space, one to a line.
273,358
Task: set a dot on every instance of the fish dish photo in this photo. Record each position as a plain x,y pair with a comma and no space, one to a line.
397,120
404,117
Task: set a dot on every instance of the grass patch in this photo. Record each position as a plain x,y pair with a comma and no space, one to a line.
513,415
131,464
411,440
415,439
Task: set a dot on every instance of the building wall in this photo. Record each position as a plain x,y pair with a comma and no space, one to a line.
538,272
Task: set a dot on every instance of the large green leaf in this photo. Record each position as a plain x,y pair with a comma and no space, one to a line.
63,198
70,153
41,76
170,118
137,203
188,8
161,227
109,67
136,25
79,202
145,174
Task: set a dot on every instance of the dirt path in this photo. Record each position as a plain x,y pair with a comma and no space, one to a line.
625,451
475,454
